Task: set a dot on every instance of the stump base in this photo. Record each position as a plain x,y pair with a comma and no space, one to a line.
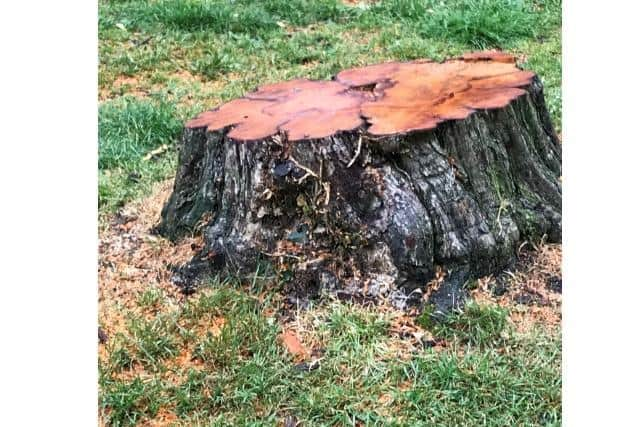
370,214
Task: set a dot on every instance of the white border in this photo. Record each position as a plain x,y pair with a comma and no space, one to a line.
48,213
597,218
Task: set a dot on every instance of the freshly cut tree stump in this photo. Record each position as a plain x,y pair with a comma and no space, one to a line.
369,184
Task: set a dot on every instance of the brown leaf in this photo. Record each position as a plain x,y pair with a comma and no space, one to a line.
292,343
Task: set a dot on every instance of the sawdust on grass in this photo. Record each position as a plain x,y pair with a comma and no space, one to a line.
132,260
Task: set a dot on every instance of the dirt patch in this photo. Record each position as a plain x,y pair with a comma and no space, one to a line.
532,292
133,260
143,84
164,417
202,91
136,86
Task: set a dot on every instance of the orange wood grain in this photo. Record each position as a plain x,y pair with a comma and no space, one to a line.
390,98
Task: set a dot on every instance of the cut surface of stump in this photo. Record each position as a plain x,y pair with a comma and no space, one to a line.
369,184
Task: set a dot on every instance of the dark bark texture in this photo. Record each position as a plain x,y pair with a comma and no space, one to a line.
374,217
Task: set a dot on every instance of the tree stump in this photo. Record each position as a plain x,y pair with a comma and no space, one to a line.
368,184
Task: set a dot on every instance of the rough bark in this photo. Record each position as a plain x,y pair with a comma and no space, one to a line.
375,212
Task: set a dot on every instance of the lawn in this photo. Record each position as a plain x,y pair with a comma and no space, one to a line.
220,357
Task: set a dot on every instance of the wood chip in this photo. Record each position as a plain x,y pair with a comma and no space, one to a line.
156,152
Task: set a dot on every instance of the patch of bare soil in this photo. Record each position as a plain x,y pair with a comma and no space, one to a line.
141,86
135,86
206,90
532,292
132,260
164,417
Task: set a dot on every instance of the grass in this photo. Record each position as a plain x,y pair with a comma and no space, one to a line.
477,325
475,23
215,359
129,129
487,373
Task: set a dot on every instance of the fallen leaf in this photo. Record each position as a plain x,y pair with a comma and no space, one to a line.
292,343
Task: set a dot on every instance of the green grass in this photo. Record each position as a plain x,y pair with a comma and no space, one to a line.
129,129
486,387
475,23
488,375
476,325
130,401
